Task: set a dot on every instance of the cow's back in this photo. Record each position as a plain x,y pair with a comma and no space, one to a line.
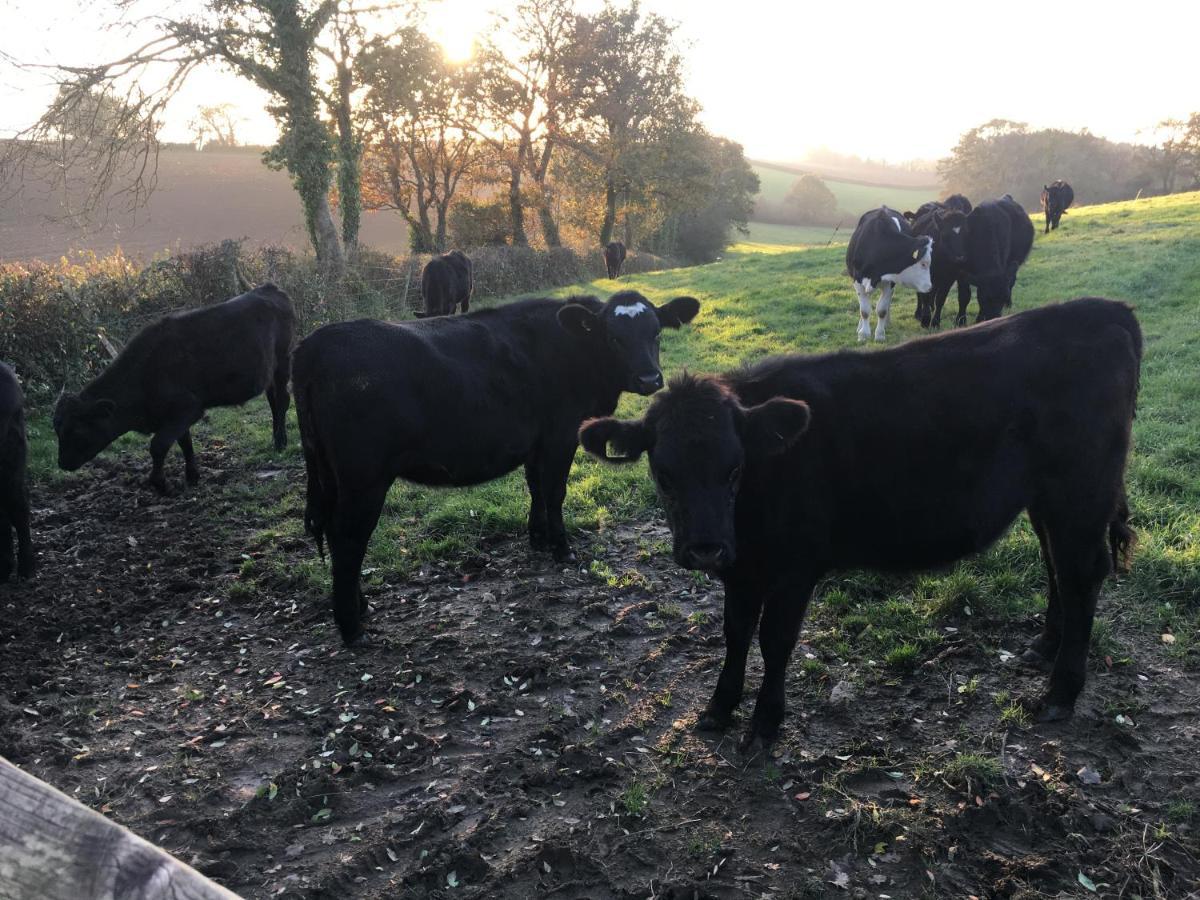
940,442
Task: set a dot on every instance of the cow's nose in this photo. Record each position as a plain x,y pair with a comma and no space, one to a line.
648,384
706,556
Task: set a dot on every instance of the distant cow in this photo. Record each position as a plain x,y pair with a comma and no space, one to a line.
884,252
461,401
771,477
1056,198
175,369
614,258
947,227
446,283
999,238
14,492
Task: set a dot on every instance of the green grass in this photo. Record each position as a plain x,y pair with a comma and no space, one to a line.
753,304
767,238
852,199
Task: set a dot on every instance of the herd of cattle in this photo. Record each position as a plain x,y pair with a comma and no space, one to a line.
770,476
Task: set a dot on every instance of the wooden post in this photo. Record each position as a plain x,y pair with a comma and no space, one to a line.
55,848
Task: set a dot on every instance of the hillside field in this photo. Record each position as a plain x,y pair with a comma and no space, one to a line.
519,729
853,198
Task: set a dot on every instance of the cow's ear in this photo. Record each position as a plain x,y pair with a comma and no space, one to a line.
578,320
677,312
774,426
629,439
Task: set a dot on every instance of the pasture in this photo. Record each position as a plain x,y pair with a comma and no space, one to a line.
517,728
854,198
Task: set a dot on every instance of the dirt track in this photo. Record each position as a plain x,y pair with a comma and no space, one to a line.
522,730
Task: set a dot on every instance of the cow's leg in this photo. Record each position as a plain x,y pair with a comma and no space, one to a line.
556,462
6,543
864,311
925,304
279,400
1081,563
21,517
941,292
743,605
783,611
1044,649
161,442
191,471
964,300
350,529
883,310
539,532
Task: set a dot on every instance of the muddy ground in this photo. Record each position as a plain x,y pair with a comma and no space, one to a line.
516,729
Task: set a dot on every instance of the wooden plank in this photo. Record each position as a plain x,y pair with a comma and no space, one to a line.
55,848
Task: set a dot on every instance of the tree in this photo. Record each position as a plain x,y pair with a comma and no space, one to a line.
268,42
622,95
416,150
811,201
516,88
703,193
214,125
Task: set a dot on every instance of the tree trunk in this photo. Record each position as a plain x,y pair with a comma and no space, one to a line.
516,209
610,214
349,156
330,259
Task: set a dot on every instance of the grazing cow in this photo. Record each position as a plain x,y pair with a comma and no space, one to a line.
1056,198
461,401
446,282
958,202
614,258
884,252
14,493
771,476
946,226
175,369
999,238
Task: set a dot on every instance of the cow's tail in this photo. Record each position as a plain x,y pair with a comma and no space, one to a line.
1121,538
321,495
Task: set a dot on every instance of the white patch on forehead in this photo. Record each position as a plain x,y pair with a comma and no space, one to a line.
633,310
897,221
957,230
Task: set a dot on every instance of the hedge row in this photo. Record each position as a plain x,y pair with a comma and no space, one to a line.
60,322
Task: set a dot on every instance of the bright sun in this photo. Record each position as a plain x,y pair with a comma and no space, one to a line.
455,24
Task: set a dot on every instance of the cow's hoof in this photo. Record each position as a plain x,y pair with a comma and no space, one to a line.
1033,658
160,487
192,476
757,740
539,543
25,571
564,555
1054,712
358,639
280,443
712,721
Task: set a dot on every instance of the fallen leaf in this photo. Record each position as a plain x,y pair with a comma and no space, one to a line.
452,880
803,795
1168,638
1087,882
1088,775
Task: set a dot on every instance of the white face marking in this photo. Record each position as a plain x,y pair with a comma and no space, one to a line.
957,230
633,310
917,275
897,221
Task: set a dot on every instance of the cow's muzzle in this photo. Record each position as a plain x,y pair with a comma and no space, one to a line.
647,384
708,557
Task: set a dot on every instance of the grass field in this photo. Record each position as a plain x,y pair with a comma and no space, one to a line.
853,199
754,304
765,237
516,728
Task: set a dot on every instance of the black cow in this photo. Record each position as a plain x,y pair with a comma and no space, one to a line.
958,202
999,238
771,477
1056,198
460,401
14,493
614,258
883,251
947,227
175,369
446,283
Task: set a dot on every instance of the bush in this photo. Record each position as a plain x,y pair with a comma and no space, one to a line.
61,322
479,224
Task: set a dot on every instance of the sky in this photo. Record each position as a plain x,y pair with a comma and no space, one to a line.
884,80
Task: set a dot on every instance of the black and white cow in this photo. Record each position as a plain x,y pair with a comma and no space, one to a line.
884,252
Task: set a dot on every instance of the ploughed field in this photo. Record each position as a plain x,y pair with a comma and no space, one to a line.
519,729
